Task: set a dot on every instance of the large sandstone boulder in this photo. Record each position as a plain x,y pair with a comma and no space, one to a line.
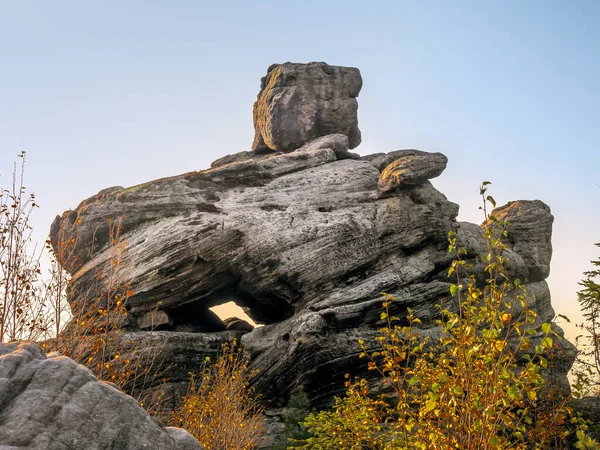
530,234
300,102
305,242
54,403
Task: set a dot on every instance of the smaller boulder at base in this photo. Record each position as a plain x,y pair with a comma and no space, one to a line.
54,403
237,324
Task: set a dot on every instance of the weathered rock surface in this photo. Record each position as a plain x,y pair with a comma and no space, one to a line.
54,403
303,241
411,169
530,234
300,102
237,324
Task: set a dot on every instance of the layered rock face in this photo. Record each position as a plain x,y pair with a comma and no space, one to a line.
305,241
53,403
299,102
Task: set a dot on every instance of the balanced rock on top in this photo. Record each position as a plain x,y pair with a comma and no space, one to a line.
300,102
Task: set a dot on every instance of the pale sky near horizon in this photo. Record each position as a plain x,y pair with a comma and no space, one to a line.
122,92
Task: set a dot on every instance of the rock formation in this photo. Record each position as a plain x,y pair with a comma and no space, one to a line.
54,403
305,241
299,102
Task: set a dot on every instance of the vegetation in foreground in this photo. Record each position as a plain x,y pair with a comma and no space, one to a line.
589,299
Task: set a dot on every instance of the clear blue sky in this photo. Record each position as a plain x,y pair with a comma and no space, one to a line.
104,93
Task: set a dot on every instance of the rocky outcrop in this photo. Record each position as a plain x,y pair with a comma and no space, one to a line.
300,102
530,234
305,241
54,403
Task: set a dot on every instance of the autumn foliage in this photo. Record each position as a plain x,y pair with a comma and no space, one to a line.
220,408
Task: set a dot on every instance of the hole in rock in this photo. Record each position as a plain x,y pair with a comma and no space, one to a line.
227,308
230,310
195,317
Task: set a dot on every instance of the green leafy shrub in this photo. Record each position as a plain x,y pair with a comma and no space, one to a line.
297,409
589,299
585,442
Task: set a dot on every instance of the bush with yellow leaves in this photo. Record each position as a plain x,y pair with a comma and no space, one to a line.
220,408
475,384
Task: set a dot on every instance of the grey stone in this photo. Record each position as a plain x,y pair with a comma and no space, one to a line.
529,234
411,169
54,403
237,324
300,102
306,245
336,142
242,156
304,236
152,320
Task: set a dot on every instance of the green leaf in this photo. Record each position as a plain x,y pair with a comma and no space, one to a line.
453,289
546,327
452,322
430,405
